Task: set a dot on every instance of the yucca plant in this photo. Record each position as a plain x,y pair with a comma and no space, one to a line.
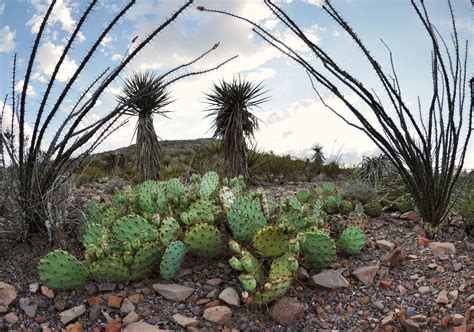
153,97
230,103
318,157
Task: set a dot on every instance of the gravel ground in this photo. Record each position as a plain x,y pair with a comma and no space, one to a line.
413,285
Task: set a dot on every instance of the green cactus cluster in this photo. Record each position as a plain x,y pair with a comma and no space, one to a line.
152,227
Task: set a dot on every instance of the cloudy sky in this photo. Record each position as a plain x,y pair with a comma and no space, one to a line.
294,118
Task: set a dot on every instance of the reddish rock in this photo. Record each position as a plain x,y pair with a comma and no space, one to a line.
395,257
49,293
423,241
287,310
410,326
385,283
94,301
115,301
366,274
76,327
441,248
114,326
7,294
211,304
219,314
136,298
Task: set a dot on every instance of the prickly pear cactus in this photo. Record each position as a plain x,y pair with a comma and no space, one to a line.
352,240
172,259
209,184
110,269
318,248
226,197
170,231
329,188
271,241
202,210
303,196
144,199
245,219
205,240
346,207
132,228
267,203
331,205
293,215
373,209
175,190
59,270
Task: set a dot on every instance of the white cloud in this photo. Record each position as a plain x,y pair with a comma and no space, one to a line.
116,57
7,40
61,15
30,91
47,57
314,2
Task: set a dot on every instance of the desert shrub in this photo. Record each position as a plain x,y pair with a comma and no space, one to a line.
90,173
174,169
114,184
332,170
359,191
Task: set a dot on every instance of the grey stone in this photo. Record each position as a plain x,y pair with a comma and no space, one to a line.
218,314
286,311
366,274
329,279
184,321
126,307
230,296
28,307
132,317
173,292
71,314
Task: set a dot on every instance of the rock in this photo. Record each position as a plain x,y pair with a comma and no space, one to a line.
457,267
130,318
114,325
94,313
3,309
423,290
458,319
142,327
214,282
395,257
378,305
76,327
410,326
11,318
106,287
183,273
442,297
230,296
419,318
410,215
93,301
329,279
442,248
127,307
211,304
136,298
28,307
7,294
115,301
453,295
385,245
71,314
185,321
302,274
286,311
366,274
388,318
433,266
173,292
219,314
34,287
48,292
60,304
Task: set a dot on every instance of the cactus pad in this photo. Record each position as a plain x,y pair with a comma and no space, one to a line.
373,209
245,219
170,231
319,249
205,240
271,241
59,270
352,240
209,183
172,259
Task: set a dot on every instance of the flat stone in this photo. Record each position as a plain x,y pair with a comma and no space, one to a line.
184,321
136,298
395,257
410,215
457,267
410,326
126,307
286,311
366,274
173,292
71,314
115,301
423,290
11,318
388,318
230,296
76,327
183,273
433,266
7,294
442,297
329,279
453,295
142,327
132,317
385,245
214,282
442,248
218,314
28,307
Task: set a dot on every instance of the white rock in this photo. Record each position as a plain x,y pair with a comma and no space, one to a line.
230,296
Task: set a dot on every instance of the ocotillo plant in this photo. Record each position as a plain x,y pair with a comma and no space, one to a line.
40,167
230,103
428,152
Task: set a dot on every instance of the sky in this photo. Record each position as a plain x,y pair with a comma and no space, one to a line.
292,120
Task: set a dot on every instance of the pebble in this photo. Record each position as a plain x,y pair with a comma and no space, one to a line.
106,287
115,301
410,326
76,327
185,321
114,325
230,296
458,319
218,314
385,245
457,267
441,248
442,297
366,274
433,266
136,298
28,307
395,257
286,311
7,294
71,314
330,279
130,318
48,292
423,290
214,282
34,287
126,307
173,292
142,327
11,318
378,305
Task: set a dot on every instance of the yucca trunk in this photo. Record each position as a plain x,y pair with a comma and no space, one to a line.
235,156
148,150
